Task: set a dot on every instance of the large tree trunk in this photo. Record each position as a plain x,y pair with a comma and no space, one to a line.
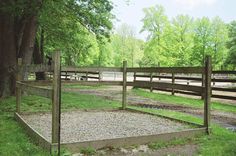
7,54
38,56
28,40
17,35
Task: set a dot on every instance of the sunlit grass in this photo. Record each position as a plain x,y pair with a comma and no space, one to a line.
185,101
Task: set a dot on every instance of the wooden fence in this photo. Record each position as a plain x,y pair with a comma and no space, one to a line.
157,77
157,74
51,93
54,93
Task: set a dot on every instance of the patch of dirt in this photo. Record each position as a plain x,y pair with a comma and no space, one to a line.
115,93
183,150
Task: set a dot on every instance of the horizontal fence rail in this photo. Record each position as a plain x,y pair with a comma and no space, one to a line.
188,70
216,77
94,73
31,89
115,83
91,69
37,68
223,72
163,85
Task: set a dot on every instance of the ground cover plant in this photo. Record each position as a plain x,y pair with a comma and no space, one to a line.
15,142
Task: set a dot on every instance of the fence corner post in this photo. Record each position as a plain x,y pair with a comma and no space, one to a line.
207,92
56,99
124,92
18,89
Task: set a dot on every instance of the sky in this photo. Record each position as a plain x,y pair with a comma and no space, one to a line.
131,12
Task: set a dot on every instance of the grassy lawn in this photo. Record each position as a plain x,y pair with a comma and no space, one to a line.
183,101
13,140
221,142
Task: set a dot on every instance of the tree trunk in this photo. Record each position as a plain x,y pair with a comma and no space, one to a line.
38,59
17,35
27,44
7,55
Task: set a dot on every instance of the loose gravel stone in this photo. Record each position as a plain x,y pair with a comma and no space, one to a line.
78,126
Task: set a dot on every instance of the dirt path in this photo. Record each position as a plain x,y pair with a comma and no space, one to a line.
227,120
183,150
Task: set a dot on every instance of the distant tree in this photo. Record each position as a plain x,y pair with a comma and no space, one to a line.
126,46
231,45
182,39
202,41
157,25
106,57
219,39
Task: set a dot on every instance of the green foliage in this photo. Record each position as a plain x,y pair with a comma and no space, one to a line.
125,46
183,41
75,28
219,38
231,45
202,37
157,25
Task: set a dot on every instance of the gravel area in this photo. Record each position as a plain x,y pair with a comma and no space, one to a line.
81,126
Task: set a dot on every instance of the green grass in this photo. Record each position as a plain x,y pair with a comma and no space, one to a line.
174,142
172,114
82,101
183,101
13,139
221,142
88,151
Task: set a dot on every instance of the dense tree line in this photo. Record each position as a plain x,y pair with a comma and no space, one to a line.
184,41
82,31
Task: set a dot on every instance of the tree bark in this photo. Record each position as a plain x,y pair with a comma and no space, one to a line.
7,54
17,35
28,40
38,58
27,44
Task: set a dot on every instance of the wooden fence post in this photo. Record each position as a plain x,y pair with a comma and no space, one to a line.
188,81
159,74
151,78
124,95
173,82
86,76
18,89
214,83
66,76
207,99
203,84
56,99
134,76
99,75
134,79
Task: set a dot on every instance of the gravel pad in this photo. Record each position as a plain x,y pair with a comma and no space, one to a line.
81,126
